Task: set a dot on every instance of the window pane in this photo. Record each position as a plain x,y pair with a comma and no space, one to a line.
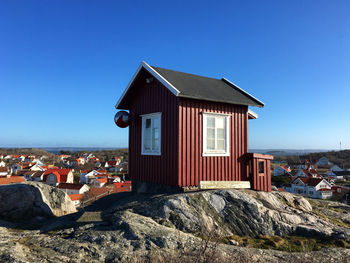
220,144
155,145
211,122
220,122
155,134
155,139
210,133
147,136
156,122
220,134
210,144
148,123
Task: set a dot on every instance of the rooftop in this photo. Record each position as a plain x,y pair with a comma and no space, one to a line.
195,87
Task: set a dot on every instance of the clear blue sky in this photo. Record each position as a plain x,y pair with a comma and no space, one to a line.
64,64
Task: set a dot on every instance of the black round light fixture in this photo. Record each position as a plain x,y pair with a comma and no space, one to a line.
122,119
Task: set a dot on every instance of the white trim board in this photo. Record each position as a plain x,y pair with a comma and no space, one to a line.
253,114
205,151
155,74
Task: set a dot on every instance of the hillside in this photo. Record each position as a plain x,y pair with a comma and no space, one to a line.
341,158
205,226
27,151
107,154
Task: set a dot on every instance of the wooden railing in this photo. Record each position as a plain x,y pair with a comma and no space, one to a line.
259,171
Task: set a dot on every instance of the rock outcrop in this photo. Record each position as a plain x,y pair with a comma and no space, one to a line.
242,213
20,202
188,227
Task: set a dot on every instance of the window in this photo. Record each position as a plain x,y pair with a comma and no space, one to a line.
151,134
215,134
261,167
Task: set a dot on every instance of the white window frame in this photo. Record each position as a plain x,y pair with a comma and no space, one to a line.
143,123
207,152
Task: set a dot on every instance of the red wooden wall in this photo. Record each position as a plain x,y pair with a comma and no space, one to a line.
192,166
149,98
260,181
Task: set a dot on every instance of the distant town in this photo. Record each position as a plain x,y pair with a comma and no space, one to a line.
322,175
88,176
84,176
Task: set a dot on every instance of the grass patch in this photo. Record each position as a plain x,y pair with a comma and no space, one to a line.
317,210
333,220
24,240
90,217
287,243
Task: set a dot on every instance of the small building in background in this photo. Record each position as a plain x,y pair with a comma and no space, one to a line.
55,176
311,187
4,171
71,189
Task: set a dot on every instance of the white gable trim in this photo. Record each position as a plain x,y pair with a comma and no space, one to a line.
325,182
155,74
298,180
244,92
252,114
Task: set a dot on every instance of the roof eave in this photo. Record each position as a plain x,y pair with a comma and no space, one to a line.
212,100
252,115
259,103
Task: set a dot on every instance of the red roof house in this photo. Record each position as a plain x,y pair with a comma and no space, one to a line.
187,131
3,171
12,180
55,176
76,198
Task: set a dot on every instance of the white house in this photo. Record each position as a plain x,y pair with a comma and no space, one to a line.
15,167
7,157
37,167
38,161
3,171
323,161
76,198
110,165
307,173
99,182
38,176
72,189
336,168
85,178
81,160
281,170
338,175
311,187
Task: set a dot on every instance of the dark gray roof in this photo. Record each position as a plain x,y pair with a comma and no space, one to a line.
341,173
210,89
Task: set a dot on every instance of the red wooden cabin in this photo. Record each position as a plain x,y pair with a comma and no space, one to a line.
188,130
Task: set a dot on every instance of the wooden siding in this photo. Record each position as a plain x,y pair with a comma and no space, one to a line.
192,166
149,98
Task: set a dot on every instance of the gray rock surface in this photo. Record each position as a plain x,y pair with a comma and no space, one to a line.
241,212
168,229
23,202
